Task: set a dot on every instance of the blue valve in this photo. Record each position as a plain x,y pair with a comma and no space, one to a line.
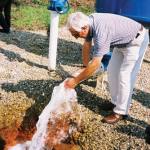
60,6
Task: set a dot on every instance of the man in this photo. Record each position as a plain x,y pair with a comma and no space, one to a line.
5,11
129,41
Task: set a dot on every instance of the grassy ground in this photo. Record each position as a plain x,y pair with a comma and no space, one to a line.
36,17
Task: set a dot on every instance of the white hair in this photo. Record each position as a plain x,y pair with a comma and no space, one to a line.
77,20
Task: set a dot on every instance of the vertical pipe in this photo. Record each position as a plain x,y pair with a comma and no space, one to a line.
54,22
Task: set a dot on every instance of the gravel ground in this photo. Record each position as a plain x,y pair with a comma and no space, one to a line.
26,86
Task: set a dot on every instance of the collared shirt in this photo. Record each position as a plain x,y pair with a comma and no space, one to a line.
108,30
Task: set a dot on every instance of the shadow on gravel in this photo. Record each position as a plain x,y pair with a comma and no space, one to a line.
31,42
69,53
136,128
90,100
142,97
40,91
146,61
12,56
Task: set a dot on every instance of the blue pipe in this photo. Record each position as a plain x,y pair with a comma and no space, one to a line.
60,6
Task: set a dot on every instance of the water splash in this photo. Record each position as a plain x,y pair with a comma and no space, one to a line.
53,125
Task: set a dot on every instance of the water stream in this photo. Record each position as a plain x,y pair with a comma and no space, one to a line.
53,125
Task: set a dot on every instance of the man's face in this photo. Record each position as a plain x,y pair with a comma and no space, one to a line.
82,34
74,33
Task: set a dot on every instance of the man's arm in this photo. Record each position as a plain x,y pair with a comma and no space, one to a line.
87,72
86,52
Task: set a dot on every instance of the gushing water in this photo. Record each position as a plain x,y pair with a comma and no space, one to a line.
52,127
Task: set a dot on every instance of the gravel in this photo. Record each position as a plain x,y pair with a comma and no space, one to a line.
26,86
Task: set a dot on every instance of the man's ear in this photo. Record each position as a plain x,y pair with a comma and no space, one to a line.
84,30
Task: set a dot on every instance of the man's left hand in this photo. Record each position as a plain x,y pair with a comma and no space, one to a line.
70,83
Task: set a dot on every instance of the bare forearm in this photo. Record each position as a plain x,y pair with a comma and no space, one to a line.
86,53
88,71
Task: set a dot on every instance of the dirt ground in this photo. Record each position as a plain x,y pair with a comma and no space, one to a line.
26,86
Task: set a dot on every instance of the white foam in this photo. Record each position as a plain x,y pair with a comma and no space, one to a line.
60,96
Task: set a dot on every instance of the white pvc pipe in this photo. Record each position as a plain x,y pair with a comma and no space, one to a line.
54,22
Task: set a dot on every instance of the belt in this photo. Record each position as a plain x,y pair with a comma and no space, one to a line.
141,29
125,44
119,45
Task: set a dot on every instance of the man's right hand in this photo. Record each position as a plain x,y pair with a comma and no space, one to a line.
70,83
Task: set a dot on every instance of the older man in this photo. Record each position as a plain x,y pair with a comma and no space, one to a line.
129,40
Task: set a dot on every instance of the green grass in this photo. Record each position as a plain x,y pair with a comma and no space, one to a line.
31,18
37,18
